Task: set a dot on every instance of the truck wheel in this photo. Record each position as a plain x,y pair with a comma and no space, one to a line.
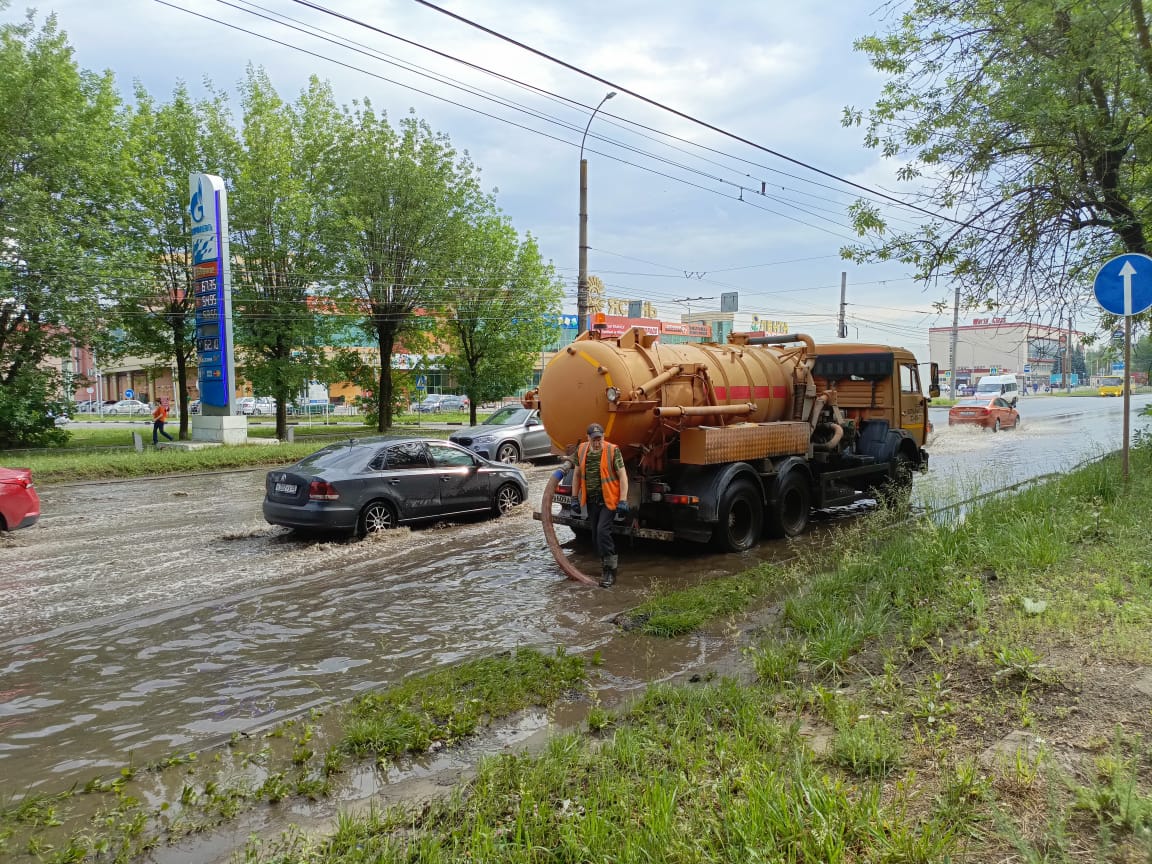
898,488
741,518
788,514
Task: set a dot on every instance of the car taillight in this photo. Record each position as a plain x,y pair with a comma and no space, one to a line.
681,499
563,490
321,490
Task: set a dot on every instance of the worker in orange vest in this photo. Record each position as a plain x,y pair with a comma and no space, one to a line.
600,484
159,416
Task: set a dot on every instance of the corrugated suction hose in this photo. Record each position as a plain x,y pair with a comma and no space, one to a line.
570,569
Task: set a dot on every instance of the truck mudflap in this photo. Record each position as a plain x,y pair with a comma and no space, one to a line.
625,528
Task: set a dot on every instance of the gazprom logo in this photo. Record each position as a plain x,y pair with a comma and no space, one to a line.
196,208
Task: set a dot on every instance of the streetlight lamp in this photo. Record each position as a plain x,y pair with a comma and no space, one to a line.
582,280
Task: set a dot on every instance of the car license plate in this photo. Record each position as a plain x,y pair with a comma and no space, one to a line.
288,488
563,499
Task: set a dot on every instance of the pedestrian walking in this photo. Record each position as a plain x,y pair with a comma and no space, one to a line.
600,484
159,417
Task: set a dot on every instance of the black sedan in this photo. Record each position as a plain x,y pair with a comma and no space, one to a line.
372,484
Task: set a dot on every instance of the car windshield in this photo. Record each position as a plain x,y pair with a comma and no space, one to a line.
987,388
509,415
331,456
1110,382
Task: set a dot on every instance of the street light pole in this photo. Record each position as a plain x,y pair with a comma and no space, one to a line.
582,280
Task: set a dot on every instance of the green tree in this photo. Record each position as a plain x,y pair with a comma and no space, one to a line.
1142,356
58,189
155,298
503,310
279,265
400,222
1027,126
1079,365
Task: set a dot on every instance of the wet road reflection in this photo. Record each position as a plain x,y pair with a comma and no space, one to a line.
143,617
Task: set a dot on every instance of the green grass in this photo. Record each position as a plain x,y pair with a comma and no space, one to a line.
676,612
119,818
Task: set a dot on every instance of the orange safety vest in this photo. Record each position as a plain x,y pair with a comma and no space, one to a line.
609,481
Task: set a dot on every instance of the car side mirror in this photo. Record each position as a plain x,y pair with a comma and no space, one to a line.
532,422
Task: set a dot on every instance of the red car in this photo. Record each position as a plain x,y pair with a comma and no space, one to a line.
19,503
990,413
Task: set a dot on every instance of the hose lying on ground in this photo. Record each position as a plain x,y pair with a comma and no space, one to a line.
567,566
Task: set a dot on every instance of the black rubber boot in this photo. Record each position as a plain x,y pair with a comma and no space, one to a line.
608,571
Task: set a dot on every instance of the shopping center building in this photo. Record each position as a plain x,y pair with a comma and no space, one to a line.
996,346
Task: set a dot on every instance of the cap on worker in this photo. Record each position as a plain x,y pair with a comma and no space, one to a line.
595,431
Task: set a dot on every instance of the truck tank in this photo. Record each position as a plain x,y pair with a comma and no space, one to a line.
633,386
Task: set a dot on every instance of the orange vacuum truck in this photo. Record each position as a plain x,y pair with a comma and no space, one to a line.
729,443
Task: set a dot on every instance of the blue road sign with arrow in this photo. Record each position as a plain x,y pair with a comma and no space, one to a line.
1123,285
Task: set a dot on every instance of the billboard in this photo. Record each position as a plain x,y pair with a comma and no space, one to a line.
212,287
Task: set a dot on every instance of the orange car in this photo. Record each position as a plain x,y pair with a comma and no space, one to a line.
994,413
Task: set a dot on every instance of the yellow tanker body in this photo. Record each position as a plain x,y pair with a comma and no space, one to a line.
724,443
619,385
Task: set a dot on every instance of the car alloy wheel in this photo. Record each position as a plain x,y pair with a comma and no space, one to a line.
508,452
508,498
376,517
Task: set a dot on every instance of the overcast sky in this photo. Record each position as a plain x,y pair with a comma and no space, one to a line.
777,74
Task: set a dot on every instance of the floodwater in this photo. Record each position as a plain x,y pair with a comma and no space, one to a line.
145,617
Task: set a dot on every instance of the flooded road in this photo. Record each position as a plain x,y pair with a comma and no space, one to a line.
144,617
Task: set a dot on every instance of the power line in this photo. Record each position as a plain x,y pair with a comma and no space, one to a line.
619,87
520,125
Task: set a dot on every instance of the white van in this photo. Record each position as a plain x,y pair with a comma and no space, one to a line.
1004,386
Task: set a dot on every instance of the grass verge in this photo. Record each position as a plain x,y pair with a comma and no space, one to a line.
120,818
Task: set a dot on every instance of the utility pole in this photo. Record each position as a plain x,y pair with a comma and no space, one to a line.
582,278
952,341
842,329
1068,357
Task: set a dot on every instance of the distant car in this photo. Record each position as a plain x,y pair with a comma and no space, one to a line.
990,413
1111,387
19,503
430,404
128,406
510,435
255,405
454,403
372,484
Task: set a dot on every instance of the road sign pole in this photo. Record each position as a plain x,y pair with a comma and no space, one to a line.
1127,395
1123,286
